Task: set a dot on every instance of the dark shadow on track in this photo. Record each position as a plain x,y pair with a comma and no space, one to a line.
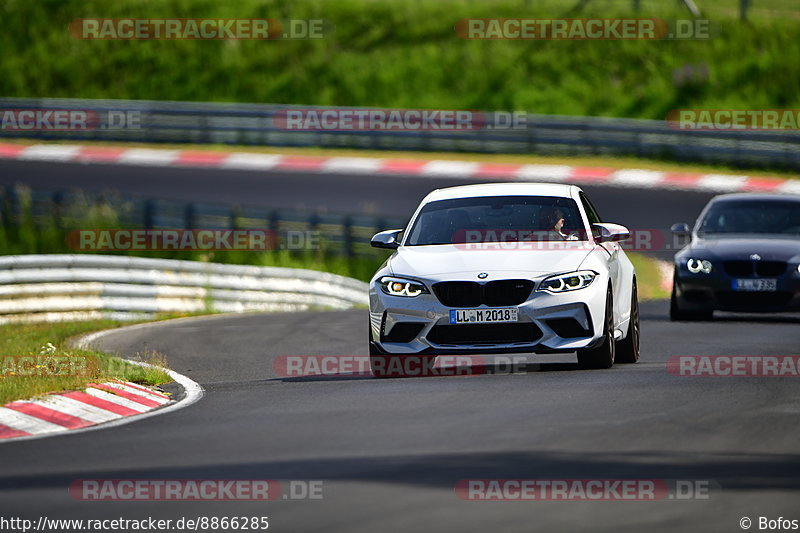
449,372
730,471
652,315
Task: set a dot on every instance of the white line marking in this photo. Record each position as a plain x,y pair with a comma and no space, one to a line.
544,172
790,187
637,178
148,157
50,152
72,407
359,165
119,400
721,182
137,392
27,423
449,168
247,161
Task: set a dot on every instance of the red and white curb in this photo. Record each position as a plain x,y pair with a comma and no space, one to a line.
99,403
638,178
100,406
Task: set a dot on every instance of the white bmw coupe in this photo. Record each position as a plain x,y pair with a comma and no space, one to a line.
503,268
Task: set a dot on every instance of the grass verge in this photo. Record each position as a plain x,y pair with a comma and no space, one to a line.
36,360
648,276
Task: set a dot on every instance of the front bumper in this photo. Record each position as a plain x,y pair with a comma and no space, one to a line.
706,292
547,323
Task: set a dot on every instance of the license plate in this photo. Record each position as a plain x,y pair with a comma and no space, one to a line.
483,316
755,285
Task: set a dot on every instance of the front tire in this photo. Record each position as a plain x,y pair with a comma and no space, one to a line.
603,355
628,349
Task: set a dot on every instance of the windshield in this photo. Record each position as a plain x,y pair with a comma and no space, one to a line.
752,216
497,218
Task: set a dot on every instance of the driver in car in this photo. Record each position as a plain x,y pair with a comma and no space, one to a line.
552,221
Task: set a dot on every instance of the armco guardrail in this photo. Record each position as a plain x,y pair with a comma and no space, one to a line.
333,233
254,124
46,288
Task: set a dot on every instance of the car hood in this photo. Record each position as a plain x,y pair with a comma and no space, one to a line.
742,247
436,260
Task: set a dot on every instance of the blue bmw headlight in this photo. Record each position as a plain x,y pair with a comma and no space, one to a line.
696,266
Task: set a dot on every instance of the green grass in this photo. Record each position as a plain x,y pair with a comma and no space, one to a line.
648,277
20,380
405,53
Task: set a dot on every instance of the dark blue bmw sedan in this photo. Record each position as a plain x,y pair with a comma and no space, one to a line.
743,256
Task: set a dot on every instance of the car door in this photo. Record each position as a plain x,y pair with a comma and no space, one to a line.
609,252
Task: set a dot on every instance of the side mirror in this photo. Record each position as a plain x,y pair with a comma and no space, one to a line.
386,239
681,230
606,232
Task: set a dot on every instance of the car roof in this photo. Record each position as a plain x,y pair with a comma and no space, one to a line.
504,189
755,197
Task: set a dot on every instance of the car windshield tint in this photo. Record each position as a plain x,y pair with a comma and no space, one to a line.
752,216
497,218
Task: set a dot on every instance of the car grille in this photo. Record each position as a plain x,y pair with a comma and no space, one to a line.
754,300
484,333
754,268
473,294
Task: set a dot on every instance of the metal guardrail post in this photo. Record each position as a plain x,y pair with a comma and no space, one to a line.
189,216
58,207
149,214
347,231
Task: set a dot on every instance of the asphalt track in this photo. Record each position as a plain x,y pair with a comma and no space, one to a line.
390,452
388,195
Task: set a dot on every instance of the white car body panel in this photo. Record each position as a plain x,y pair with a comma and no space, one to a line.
431,264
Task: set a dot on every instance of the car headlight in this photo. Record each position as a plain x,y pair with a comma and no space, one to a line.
696,266
402,287
568,282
